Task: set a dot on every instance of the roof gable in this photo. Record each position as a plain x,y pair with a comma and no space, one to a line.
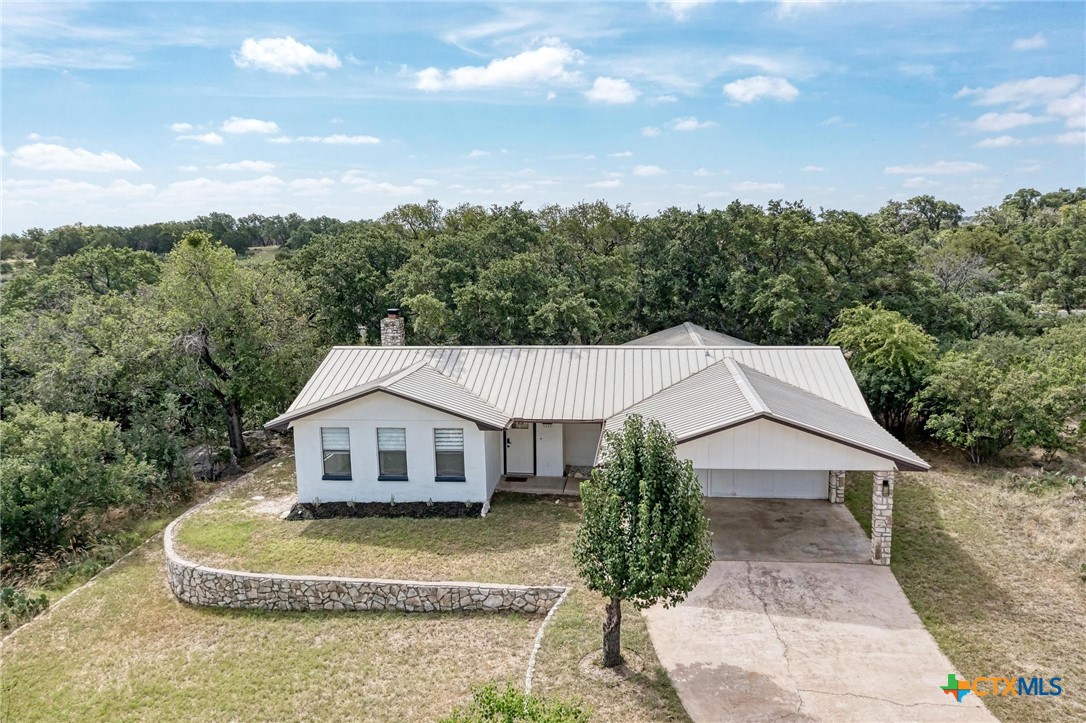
688,334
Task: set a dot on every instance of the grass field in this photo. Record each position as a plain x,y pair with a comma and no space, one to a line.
126,649
995,572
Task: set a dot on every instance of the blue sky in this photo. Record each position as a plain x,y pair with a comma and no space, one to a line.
122,113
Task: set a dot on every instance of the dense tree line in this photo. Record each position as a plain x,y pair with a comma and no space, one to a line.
121,347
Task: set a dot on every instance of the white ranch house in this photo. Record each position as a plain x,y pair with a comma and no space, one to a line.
447,424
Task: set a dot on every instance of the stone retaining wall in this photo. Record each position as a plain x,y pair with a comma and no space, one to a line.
212,587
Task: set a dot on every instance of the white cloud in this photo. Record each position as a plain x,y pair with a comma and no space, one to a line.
919,182
281,139
997,142
202,191
748,90
258,166
1073,138
67,192
620,154
551,95
188,169
1032,167
1034,42
704,173
836,120
614,91
648,171
211,139
995,122
792,8
364,184
650,131
52,157
249,125
666,99
812,169
478,153
545,64
690,124
311,187
757,186
181,127
338,139
939,168
283,55
610,183
679,9
1073,108
1021,94
917,70
424,182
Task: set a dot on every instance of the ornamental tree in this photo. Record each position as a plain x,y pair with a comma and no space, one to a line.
644,537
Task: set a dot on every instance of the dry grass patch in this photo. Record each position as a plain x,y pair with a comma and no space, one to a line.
995,573
126,649
525,539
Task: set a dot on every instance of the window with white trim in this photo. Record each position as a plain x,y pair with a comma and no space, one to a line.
336,452
449,455
392,453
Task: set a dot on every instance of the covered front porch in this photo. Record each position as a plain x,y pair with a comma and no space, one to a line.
541,485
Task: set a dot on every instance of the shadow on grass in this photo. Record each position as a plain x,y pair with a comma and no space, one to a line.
941,579
515,522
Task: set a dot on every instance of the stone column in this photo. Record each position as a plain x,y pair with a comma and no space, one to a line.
882,516
837,486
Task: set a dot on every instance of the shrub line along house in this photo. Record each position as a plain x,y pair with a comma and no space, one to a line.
443,425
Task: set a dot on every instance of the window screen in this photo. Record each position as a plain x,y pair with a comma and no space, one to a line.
336,452
392,452
449,453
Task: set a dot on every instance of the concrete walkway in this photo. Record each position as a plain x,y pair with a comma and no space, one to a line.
772,639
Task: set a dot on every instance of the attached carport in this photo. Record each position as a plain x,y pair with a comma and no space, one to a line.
751,435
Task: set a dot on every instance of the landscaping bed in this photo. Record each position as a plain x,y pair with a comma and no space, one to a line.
994,569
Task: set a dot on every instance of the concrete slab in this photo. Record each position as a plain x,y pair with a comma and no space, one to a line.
787,641
764,530
541,485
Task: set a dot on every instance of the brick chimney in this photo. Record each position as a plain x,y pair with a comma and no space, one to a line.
392,329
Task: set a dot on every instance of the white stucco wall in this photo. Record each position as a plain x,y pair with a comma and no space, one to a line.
579,443
548,450
493,448
363,417
763,444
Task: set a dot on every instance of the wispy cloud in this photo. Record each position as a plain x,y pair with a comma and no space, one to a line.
690,124
52,157
258,166
609,183
1033,42
211,139
647,171
286,56
748,90
650,131
939,168
998,142
757,186
363,183
620,154
812,169
679,9
181,127
995,122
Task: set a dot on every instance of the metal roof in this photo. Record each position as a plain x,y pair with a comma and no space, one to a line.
728,394
688,334
420,383
572,383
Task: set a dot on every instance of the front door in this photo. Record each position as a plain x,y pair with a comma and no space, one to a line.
520,449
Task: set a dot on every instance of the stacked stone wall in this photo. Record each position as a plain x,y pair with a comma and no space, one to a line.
882,516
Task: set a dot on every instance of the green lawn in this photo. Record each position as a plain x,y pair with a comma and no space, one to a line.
126,649
995,573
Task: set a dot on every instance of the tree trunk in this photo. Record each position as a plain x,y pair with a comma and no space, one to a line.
612,651
235,429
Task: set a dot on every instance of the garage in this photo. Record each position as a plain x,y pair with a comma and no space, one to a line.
765,483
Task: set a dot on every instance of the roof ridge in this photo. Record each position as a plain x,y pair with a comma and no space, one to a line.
746,369
695,336
425,364
675,383
753,398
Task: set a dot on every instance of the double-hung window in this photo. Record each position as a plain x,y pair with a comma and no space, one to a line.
449,455
336,452
392,453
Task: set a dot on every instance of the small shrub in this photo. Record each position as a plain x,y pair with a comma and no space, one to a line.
16,607
491,705
1046,481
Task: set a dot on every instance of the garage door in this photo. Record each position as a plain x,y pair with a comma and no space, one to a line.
794,484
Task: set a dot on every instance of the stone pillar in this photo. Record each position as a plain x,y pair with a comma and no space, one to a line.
837,486
882,516
392,329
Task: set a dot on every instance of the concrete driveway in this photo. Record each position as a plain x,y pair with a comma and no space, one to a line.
768,636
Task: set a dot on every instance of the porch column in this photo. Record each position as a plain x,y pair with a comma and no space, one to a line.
837,486
882,516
